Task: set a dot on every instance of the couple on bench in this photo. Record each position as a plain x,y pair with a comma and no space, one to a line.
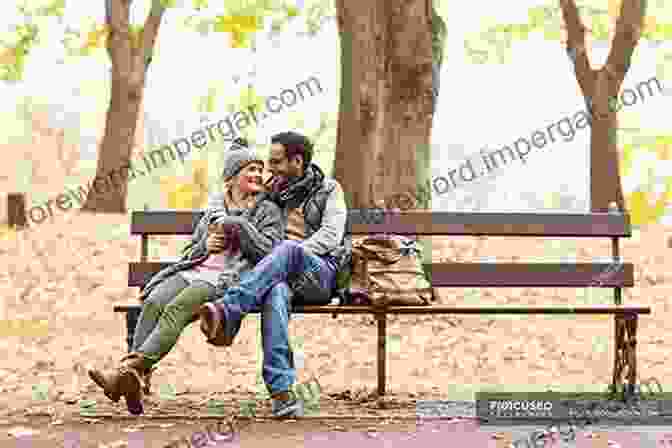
257,248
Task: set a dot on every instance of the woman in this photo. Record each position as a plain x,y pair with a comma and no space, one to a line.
238,229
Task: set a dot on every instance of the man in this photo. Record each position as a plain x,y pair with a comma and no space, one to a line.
300,269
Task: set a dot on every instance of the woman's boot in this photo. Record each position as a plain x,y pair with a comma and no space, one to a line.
131,382
147,378
128,380
108,381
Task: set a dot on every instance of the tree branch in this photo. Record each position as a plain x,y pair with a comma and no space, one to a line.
108,12
119,39
628,30
108,27
151,30
576,46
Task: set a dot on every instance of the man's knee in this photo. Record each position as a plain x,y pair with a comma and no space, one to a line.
287,246
278,296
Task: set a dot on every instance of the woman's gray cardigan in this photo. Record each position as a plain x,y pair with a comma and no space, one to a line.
261,229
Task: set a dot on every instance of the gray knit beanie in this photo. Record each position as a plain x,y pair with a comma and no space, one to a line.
237,157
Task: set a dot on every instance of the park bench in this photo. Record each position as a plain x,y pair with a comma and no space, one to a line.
614,275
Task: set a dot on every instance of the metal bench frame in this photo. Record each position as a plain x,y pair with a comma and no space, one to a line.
614,275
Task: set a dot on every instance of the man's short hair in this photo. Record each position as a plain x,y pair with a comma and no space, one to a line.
295,144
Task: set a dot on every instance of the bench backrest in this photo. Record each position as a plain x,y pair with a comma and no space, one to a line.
178,222
590,225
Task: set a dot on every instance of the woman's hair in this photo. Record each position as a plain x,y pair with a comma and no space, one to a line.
229,182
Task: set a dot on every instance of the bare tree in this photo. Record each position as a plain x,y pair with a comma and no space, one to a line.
600,89
131,56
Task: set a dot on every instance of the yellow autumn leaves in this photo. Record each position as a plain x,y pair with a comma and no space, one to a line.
646,205
240,27
187,195
96,37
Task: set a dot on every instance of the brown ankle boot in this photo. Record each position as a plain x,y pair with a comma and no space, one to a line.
147,378
131,381
108,381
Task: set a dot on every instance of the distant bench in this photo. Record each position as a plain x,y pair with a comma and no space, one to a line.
614,275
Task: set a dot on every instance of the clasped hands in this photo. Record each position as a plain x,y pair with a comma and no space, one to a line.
223,237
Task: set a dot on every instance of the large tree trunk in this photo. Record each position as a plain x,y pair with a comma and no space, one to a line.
385,113
110,187
130,61
605,177
600,89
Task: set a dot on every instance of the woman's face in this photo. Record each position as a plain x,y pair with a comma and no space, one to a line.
249,179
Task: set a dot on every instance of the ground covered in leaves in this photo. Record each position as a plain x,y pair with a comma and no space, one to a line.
63,278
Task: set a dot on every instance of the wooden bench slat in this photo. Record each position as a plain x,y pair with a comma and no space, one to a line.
514,275
164,222
491,224
459,275
441,309
180,222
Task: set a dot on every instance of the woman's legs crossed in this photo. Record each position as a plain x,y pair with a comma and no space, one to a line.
176,316
153,306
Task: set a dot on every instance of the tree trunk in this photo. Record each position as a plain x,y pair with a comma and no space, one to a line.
605,177
385,113
109,188
130,57
600,89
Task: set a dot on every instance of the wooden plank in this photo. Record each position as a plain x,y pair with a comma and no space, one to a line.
514,275
491,224
180,222
440,309
492,275
139,273
164,222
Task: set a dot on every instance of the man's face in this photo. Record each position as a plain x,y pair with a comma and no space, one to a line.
280,167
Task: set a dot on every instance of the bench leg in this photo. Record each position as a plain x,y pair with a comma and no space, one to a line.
382,330
631,347
625,355
132,316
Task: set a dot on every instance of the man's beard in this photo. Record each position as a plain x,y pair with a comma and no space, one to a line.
280,183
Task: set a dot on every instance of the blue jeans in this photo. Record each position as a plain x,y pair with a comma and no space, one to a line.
265,289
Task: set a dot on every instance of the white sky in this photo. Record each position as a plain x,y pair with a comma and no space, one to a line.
480,105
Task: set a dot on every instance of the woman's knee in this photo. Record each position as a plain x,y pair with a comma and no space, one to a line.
189,300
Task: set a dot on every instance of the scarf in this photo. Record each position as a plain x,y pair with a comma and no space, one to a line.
291,194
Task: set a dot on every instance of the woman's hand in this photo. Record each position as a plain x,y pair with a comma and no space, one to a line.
215,243
226,237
